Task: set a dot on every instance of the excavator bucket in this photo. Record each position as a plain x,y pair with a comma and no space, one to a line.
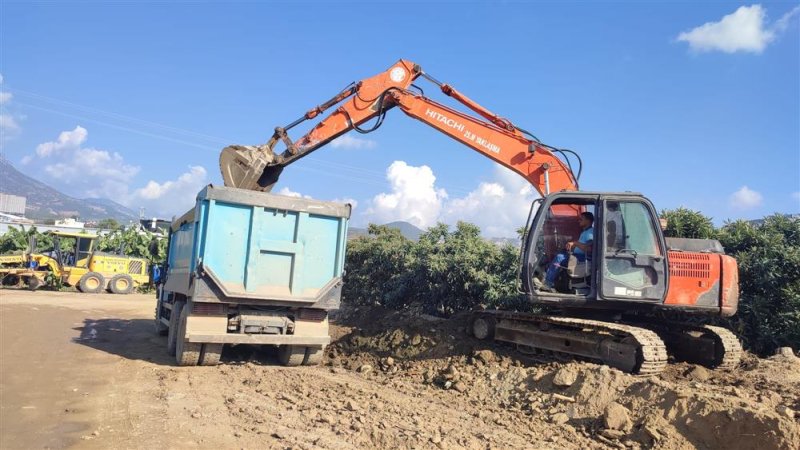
249,167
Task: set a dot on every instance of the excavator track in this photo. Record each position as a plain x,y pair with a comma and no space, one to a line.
708,345
627,347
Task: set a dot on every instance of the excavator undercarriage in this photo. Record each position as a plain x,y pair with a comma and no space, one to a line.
637,348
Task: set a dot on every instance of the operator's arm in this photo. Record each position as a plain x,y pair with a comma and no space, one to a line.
584,242
586,247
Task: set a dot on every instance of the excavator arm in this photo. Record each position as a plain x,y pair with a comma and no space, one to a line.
259,167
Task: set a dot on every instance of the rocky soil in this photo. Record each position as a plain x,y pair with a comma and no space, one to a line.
95,375
574,404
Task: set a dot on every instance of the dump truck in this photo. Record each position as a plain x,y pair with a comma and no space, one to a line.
247,267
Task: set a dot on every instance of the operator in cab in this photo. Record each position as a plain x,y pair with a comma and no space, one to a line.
582,249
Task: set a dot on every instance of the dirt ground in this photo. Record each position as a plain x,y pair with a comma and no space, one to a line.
88,371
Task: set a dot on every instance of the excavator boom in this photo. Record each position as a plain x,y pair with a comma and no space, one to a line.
259,167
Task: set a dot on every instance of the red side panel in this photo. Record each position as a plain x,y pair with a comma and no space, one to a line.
694,279
704,280
730,285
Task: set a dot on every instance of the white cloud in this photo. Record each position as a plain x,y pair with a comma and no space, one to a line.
8,125
744,30
96,173
88,172
746,198
498,207
67,140
414,197
290,193
353,202
349,142
796,196
169,198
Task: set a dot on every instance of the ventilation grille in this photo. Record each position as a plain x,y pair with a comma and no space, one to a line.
689,265
317,315
135,267
208,309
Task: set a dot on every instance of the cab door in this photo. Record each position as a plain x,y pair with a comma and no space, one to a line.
633,266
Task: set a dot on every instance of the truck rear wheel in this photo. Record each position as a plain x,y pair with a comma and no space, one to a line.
121,284
291,355
313,356
186,353
210,354
174,320
92,283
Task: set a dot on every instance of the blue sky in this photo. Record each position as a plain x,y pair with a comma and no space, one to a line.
692,104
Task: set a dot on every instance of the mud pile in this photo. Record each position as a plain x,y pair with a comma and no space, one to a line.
685,407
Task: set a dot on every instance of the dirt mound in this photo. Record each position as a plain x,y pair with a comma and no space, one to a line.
686,407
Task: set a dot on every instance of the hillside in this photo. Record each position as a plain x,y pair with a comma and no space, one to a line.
45,202
406,229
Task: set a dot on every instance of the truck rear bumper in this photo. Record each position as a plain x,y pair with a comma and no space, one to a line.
269,339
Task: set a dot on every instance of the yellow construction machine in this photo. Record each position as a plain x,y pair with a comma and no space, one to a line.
74,261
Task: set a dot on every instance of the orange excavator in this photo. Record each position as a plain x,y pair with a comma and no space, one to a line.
628,298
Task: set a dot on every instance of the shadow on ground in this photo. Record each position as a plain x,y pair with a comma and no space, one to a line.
136,339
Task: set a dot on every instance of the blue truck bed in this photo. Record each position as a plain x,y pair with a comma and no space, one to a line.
252,267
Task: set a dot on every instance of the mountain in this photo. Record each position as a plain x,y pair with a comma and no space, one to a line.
45,202
406,229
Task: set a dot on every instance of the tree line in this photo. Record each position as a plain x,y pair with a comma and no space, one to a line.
447,271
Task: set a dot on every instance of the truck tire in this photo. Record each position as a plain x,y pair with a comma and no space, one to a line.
291,355
313,356
210,354
161,329
186,353
121,284
92,283
174,320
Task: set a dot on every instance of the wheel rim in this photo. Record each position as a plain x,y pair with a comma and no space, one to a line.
122,284
92,283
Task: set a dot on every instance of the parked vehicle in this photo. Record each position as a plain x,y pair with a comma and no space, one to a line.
246,267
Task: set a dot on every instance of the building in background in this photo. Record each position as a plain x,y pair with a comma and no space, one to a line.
12,204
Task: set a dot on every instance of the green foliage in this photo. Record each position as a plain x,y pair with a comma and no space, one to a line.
135,243
109,224
444,272
17,240
377,268
449,271
685,223
768,256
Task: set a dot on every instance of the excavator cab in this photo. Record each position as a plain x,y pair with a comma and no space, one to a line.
626,262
